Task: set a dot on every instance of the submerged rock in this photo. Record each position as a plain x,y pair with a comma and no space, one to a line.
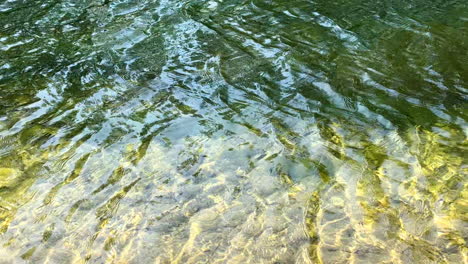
8,177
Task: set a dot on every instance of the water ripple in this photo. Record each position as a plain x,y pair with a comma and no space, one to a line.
233,131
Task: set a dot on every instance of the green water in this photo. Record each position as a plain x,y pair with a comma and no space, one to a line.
233,131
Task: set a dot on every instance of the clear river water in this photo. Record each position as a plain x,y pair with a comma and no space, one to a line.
233,131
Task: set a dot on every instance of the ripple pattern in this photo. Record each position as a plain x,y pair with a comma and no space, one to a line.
233,131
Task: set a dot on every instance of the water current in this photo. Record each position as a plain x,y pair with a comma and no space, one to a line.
233,131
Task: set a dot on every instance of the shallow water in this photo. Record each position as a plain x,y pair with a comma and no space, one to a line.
231,131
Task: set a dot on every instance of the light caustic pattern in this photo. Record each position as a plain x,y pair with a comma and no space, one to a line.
231,131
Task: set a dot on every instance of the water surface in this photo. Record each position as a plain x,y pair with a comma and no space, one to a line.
233,131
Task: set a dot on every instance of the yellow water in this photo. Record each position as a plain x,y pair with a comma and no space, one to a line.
259,131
